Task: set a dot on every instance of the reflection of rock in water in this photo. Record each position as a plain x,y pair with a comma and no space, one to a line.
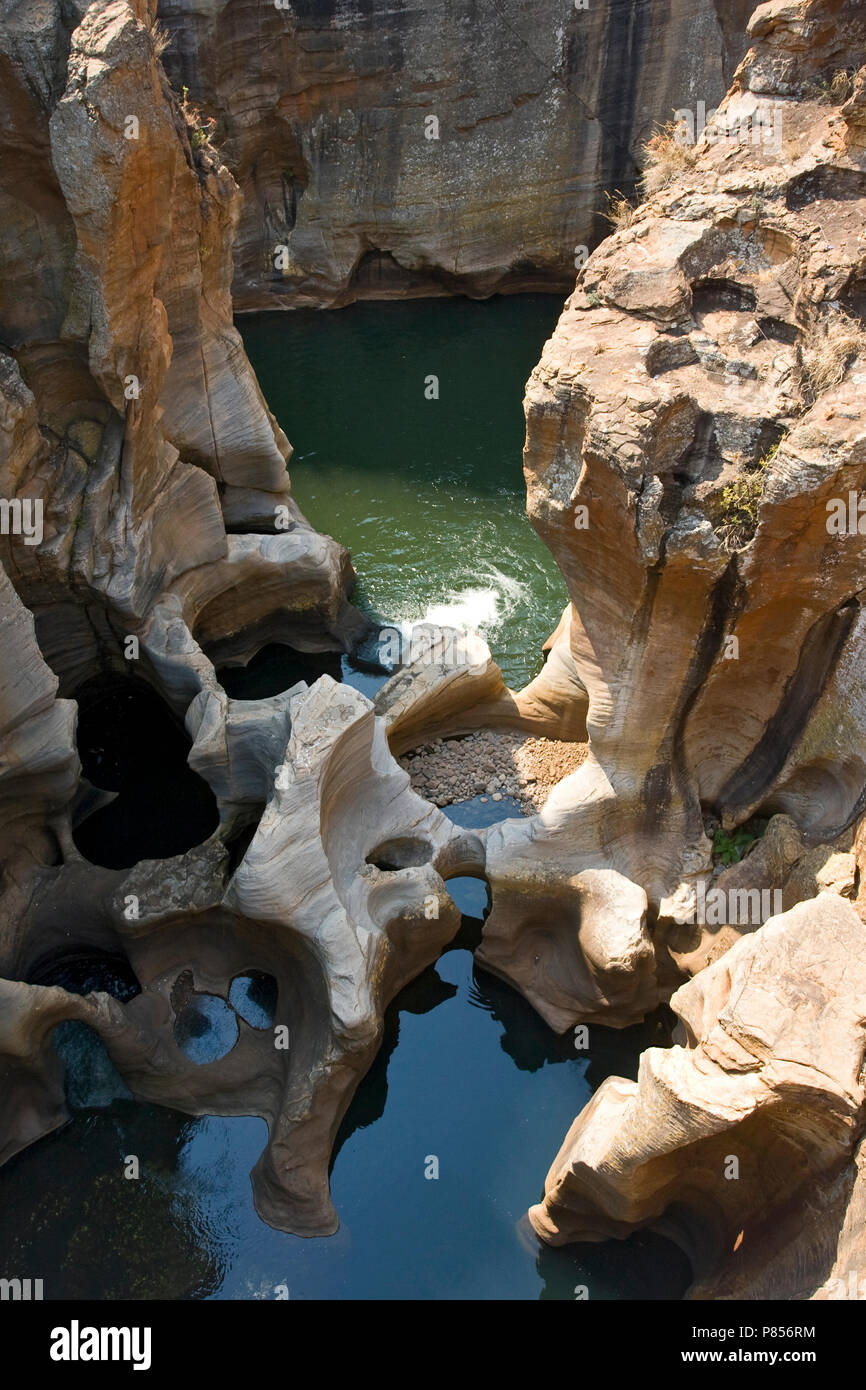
423,994
646,1264
151,1239
82,972
530,1043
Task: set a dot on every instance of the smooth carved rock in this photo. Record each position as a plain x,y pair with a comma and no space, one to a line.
127,406
140,409
451,685
340,897
587,955
351,861
721,652
39,765
768,1072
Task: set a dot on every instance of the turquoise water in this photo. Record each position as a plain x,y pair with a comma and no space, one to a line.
427,494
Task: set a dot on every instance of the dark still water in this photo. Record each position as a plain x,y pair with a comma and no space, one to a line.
468,1073
428,494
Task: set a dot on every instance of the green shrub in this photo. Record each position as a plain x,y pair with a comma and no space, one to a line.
739,515
730,846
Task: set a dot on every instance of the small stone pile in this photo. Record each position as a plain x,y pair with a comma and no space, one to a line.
491,764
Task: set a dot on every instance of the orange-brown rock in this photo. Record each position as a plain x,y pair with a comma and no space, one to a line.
726,1138
438,148
693,427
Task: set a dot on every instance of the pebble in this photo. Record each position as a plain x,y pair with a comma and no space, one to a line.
491,764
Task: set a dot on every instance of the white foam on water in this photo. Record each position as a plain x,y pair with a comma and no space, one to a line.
470,610
474,609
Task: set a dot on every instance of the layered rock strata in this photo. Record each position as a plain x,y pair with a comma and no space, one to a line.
695,459
436,149
688,446
130,414
724,1138
135,451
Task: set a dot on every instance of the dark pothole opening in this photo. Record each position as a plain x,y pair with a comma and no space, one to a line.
406,852
825,184
86,971
275,668
90,1077
718,295
130,742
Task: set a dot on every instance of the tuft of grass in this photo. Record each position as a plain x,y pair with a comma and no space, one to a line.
833,91
740,503
160,38
665,156
620,211
770,454
826,351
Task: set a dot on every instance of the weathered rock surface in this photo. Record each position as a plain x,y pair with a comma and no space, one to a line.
700,401
340,897
451,685
725,1137
693,422
39,766
129,409
686,440
714,909
129,415
321,115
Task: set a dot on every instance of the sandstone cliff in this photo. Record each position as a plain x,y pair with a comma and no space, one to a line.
146,510
695,437
693,423
323,115
695,431
131,415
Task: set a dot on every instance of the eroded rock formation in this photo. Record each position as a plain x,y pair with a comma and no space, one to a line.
694,435
723,1139
133,435
692,428
536,112
685,445
339,898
